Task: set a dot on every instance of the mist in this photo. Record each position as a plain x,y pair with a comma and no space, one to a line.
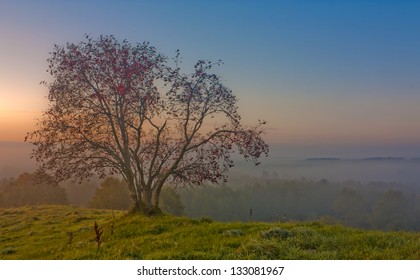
15,159
291,184
362,164
383,169
390,164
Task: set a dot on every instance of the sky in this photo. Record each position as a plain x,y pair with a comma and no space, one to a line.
339,77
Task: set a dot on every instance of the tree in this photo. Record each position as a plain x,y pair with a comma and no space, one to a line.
171,202
112,194
392,212
80,193
352,208
33,189
117,108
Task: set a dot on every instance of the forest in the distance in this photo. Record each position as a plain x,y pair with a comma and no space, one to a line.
375,205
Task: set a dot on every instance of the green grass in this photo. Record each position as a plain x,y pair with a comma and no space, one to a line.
44,232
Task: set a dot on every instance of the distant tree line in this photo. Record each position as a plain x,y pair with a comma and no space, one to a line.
110,193
31,189
377,205
381,206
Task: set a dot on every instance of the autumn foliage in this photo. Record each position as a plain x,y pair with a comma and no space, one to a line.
117,108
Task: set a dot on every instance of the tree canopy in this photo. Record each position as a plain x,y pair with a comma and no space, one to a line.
118,108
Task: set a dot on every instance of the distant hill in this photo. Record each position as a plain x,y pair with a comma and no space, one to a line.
385,158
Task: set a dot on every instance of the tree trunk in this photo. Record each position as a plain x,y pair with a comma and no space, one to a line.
145,207
149,204
145,201
135,196
155,197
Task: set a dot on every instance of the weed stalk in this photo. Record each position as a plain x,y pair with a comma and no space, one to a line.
98,234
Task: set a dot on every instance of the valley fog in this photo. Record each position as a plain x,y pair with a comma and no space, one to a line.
397,170
289,164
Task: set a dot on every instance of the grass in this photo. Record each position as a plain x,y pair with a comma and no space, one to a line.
62,232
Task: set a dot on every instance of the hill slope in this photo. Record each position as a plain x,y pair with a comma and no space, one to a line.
60,232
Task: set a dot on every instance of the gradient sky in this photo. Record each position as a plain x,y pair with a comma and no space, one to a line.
322,73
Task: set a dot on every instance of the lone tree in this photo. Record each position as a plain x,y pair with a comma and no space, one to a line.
117,108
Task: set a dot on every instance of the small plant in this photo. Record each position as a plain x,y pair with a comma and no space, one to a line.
113,222
98,234
8,251
304,231
233,232
112,228
206,220
158,229
70,237
265,249
276,233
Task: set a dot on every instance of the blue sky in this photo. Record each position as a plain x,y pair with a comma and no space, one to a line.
323,73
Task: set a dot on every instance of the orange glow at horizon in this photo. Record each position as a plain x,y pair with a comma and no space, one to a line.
21,103
15,124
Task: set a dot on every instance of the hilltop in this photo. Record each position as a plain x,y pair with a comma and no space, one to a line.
63,232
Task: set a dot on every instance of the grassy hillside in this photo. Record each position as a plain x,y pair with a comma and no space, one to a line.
60,232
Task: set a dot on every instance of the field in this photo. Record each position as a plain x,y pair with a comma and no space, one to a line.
63,232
